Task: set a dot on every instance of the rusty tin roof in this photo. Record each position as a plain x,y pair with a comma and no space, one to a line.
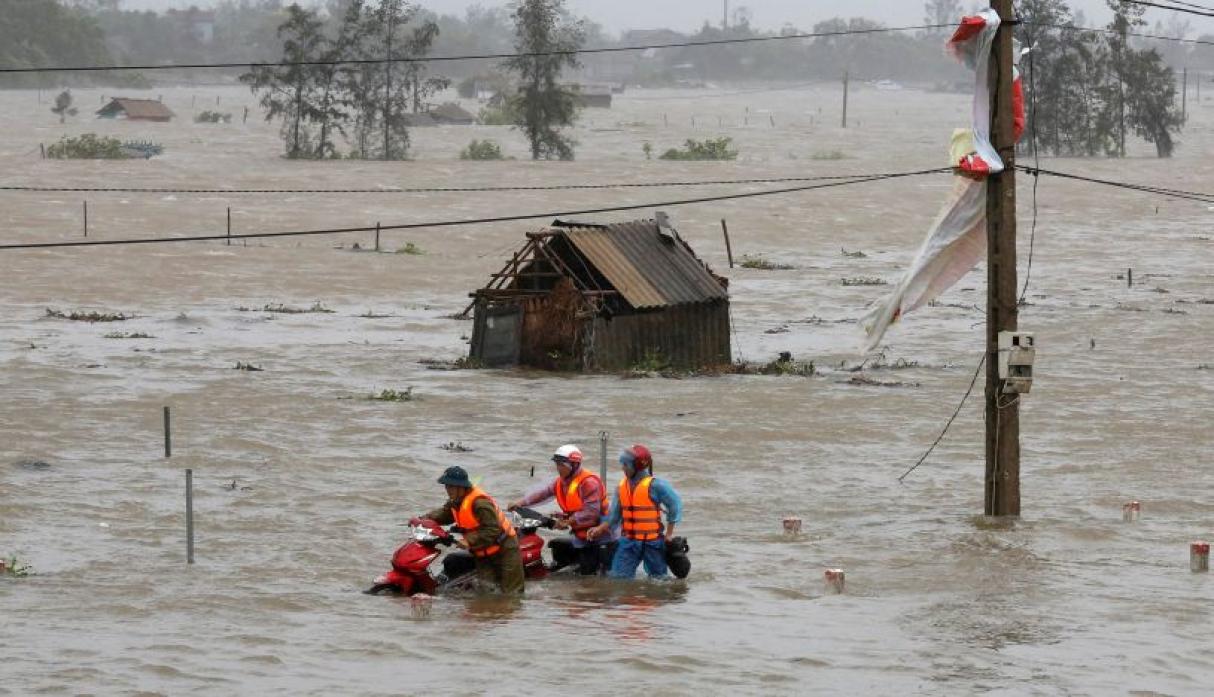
138,108
649,268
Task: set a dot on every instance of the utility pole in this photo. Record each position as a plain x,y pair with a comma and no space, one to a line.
1184,94
390,8
846,79
725,16
1002,411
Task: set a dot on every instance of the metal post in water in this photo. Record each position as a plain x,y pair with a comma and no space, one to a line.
603,456
229,226
168,445
86,218
377,235
189,515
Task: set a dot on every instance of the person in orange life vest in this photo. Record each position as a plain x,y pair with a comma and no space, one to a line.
583,502
638,508
485,531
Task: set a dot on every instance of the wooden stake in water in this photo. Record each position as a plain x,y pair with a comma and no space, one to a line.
189,516
168,445
229,226
1129,278
846,80
728,248
377,235
86,218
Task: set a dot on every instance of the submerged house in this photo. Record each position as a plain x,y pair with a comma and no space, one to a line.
589,297
135,110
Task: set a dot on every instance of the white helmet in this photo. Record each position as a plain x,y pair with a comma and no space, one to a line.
569,454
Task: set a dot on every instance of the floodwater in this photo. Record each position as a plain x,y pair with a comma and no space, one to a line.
302,486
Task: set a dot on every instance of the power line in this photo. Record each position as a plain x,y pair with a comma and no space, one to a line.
483,56
1201,12
477,221
1189,4
429,190
1136,35
949,423
1174,193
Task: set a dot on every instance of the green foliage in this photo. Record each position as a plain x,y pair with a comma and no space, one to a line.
63,105
89,146
786,366
711,149
497,116
760,263
1088,91
652,362
392,396
15,567
647,148
212,117
44,33
411,249
828,155
545,35
482,150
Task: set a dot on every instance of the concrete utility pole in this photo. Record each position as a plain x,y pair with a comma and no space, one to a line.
1184,94
725,16
1002,411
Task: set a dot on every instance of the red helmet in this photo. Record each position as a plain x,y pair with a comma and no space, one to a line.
641,456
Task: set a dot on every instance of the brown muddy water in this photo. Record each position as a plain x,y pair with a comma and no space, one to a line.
1068,601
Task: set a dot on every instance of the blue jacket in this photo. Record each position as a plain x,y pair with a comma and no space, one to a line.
662,493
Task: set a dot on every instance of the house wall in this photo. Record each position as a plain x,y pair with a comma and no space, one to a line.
688,336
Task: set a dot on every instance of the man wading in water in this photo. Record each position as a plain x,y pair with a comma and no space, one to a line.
638,506
486,532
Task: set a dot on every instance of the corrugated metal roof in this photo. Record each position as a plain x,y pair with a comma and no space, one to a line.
648,268
138,108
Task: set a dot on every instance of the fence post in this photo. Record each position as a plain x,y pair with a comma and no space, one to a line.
229,226
728,248
377,235
168,443
189,516
86,218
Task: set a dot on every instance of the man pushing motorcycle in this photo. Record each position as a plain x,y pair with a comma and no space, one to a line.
582,499
485,531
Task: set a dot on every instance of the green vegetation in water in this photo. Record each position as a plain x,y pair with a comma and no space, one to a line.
853,255
462,363
15,567
482,150
828,155
496,116
411,249
785,365
369,314
758,262
652,362
862,281
456,447
88,316
647,148
212,117
248,367
127,335
711,149
392,396
89,146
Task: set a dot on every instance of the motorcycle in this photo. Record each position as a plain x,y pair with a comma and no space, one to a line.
410,573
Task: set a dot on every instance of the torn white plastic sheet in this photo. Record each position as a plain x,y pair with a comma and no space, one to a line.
956,241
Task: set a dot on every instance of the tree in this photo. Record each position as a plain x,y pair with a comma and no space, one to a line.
545,36
941,12
63,105
288,91
1151,104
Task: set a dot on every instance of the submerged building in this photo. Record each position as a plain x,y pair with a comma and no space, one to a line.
580,296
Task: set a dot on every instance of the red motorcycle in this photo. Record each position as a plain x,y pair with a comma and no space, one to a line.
411,563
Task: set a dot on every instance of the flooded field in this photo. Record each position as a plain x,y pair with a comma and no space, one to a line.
302,486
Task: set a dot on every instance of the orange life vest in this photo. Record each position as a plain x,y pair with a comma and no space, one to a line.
569,498
642,518
466,520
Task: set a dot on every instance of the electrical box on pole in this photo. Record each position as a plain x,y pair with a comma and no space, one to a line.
1017,351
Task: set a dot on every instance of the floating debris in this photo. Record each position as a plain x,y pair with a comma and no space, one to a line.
456,447
462,363
15,567
32,465
374,315
89,316
777,330
864,281
854,255
127,335
249,367
865,381
411,249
